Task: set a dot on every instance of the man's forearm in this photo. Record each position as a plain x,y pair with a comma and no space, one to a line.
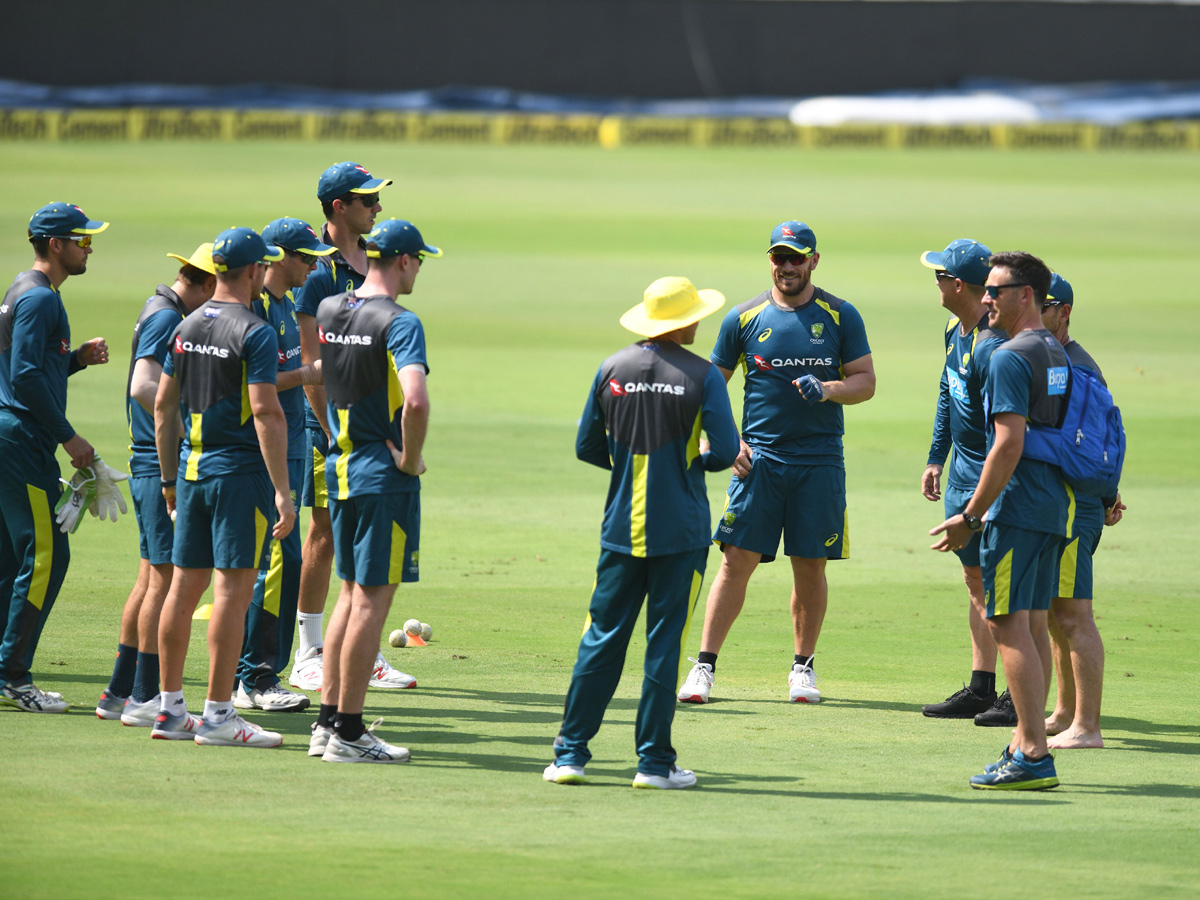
271,427
856,388
414,420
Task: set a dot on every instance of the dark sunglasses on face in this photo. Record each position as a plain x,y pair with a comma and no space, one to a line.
946,275
419,257
782,259
368,200
993,290
306,257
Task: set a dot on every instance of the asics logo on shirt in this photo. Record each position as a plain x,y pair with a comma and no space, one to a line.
182,346
329,337
766,334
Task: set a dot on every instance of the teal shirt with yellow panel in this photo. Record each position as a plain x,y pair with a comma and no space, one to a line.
217,352
774,347
280,314
365,342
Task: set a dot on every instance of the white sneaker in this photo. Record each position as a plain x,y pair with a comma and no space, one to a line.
307,670
31,698
276,698
563,774
384,676
802,685
141,715
367,749
697,685
676,779
110,705
236,732
319,740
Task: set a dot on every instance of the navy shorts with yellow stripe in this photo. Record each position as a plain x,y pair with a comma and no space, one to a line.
804,503
1073,576
377,538
1018,568
223,522
955,500
314,493
156,531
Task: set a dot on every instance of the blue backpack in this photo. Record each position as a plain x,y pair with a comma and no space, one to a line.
1089,444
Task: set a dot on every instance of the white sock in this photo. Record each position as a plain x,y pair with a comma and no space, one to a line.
310,632
172,702
216,711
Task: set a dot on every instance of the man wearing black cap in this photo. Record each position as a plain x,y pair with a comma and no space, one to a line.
804,354
1077,646
35,361
374,365
961,270
349,197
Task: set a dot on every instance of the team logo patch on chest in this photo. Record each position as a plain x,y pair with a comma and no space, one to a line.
817,330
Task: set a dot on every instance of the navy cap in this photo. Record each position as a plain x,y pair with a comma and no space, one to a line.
62,219
1060,291
964,258
345,178
795,235
297,236
237,247
395,237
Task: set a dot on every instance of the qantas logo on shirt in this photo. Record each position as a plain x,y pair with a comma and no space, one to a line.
182,346
762,364
329,337
64,346
801,361
645,387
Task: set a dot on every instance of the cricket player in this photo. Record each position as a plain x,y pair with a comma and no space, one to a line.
1028,509
349,197
961,271
271,621
1075,639
225,486
35,362
374,365
132,694
643,419
804,355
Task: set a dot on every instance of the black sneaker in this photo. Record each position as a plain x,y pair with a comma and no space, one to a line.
1001,714
964,704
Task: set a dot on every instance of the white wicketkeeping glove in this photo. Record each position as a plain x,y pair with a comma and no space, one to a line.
79,495
109,503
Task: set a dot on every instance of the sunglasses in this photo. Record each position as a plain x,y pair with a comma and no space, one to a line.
782,259
946,275
368,199
419,257
307,257
993,290
83,241
1055,303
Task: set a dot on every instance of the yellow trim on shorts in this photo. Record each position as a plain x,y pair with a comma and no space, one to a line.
1066,569
846,533
196,440
43,545
273,583
396,559
343,461
1070,508
694,594
260,534
320,490
637,513
1003,585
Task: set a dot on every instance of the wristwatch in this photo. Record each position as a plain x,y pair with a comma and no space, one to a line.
973,522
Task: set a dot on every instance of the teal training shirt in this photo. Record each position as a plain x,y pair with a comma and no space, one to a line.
1028,376
280,314
365,342
643,418
960,422
774,347
156,324
333,275
217,352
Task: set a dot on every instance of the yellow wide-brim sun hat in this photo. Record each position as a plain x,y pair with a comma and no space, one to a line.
201,259
670,303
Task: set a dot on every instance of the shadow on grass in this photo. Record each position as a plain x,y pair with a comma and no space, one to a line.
1173,791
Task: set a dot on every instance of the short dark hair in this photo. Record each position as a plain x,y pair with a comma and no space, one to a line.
1026,269
194,275
41,245
327,205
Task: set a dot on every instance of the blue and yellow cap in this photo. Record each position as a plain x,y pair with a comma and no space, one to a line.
61,220
347,178
297,236
395,237
964,258
1060,291
237,247
795,236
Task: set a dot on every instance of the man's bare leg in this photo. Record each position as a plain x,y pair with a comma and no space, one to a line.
810,598
1064,697
232,592
983,645
151,607
360,643
727,596
316,564
1083,659
1039,630
1026,679
133,605
175,624
335,637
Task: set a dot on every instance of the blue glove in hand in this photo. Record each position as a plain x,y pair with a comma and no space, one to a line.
810,388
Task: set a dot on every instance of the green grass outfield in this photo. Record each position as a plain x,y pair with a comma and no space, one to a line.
857,797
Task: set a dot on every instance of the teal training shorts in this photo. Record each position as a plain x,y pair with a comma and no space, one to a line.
223,522
377,538
1018,568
